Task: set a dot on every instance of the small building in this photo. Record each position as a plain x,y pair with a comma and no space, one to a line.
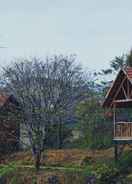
9,127
119,99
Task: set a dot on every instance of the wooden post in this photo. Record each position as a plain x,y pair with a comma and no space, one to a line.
116,152
128,90
114,119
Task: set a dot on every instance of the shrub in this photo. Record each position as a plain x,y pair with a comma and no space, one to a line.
4,170
87,161
125,162
105,173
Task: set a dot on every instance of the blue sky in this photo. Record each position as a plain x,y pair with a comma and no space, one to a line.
95,30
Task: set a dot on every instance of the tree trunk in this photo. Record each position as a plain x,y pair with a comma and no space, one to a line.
60,141
37,161
47,132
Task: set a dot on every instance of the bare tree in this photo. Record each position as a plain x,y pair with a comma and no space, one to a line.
46,91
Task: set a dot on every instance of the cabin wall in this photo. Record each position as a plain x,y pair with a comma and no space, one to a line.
24,144
9,137
9,130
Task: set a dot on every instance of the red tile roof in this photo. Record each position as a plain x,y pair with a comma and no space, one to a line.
128,71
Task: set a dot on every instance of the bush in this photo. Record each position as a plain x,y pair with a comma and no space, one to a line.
87,161
106,174
125,162
4,170
91,119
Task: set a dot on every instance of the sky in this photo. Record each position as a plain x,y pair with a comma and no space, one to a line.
95,30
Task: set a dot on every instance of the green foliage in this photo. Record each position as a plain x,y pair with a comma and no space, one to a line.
125,162
129,59
125,60
87,161
6,169
119,62
15,180
129,179
95,129
105,174
102,172
53,138
111,172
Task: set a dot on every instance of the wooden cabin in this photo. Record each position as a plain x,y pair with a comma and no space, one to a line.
9,128
119,99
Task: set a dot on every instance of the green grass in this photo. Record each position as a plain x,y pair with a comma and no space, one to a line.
6,169
103,172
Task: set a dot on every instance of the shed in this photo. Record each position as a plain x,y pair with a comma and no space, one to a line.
9,127
120,96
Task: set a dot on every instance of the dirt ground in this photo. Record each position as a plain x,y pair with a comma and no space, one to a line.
54,157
